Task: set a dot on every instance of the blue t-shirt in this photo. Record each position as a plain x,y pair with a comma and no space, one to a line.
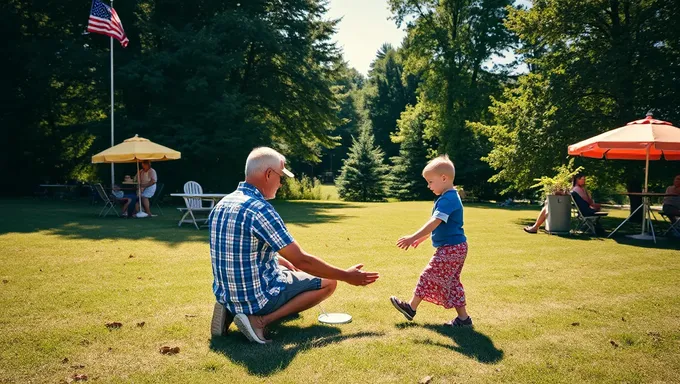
449,209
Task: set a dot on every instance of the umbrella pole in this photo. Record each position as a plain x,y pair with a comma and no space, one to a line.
139,188
645,199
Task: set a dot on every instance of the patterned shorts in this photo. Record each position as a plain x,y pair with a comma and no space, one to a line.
440,281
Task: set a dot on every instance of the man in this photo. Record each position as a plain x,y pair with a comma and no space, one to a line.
261,273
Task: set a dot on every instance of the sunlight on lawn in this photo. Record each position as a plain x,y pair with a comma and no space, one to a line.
546,308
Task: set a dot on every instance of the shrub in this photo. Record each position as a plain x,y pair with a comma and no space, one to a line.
304,189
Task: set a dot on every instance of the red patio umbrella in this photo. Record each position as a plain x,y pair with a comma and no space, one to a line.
646,139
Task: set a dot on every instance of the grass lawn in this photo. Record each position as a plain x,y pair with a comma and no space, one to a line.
546,308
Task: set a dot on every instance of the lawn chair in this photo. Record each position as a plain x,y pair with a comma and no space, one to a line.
194,204
588,222
157,197
673,227
108,203
94,195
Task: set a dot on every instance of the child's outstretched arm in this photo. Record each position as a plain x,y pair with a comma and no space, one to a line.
405,242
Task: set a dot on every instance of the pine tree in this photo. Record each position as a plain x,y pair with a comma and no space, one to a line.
363,175
405,180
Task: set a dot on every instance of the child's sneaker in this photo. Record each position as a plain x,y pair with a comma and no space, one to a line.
221,320
457,322
404,308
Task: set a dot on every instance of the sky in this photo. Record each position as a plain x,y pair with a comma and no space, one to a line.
365,26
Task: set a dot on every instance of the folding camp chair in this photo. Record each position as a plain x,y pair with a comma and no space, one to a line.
108,203
673,227
157,197
589,222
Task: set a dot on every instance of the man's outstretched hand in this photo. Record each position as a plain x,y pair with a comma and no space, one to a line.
355,276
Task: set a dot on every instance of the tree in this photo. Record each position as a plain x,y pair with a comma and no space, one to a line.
405,180
448,43
363,174
219,78
347,88
49,111
210,78
387,94
596,65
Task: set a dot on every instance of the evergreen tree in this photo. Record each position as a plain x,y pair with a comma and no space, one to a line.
448,44
389,90
405,180
363,175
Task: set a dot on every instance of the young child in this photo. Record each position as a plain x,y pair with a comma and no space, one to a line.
120,197
440,281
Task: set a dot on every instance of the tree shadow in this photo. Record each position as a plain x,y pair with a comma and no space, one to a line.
268,359
517,207
79,220
621,236
304,213
466,341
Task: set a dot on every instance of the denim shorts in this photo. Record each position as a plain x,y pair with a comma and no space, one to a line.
296,283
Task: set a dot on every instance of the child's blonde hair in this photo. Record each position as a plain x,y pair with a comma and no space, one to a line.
441,165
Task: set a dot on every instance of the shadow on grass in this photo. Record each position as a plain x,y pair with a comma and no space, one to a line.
79,220
466,341
610,223
265,360
518,207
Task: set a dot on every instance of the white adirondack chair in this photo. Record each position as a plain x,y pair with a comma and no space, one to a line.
194,204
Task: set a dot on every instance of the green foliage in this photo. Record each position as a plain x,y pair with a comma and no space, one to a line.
210,78
347,88
405,179
363,175
387,94
525,136
595,66
448,43
304,189
561,183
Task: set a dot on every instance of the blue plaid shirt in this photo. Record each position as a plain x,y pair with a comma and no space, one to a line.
245,234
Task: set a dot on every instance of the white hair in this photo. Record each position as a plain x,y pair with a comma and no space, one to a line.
262,158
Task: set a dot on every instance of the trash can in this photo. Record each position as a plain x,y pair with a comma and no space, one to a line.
559,214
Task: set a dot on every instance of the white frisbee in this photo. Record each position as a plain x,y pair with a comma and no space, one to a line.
335,318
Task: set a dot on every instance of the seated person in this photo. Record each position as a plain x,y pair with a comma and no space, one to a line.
671,204
148,178
586,205
578,186
121,198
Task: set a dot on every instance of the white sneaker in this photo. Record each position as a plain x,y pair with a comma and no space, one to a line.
221,319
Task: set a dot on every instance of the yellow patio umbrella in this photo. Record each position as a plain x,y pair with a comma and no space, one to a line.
136,149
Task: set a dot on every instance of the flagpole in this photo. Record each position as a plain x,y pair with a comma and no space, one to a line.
113,178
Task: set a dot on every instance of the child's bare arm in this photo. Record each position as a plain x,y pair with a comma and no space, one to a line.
405,242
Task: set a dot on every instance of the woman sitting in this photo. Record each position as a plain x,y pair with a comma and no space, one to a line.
671,204
578,185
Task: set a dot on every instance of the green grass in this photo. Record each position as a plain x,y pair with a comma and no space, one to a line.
329,192
546,308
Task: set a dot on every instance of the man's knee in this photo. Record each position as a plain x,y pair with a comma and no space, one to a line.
329,285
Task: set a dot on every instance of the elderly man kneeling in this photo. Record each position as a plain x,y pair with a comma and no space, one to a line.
260,272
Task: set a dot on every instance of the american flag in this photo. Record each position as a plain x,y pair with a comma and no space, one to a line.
104,20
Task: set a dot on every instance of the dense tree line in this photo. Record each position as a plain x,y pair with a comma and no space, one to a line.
215,78
212,79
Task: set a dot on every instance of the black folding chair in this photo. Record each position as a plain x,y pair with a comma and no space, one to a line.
157,197
586,219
